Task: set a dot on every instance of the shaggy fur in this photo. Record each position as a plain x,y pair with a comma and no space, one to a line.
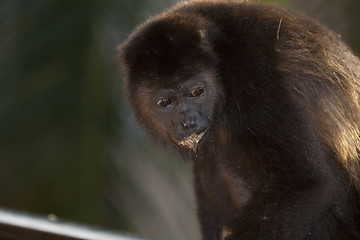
280,159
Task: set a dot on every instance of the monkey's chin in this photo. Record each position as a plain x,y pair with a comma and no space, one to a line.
192,141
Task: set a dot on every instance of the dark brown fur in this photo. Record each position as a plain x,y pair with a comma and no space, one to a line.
279,159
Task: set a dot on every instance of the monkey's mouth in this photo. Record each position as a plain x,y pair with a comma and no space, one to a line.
192,140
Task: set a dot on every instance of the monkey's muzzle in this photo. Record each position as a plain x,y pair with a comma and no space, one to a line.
192,141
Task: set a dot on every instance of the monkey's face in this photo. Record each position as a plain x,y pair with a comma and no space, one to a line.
182,112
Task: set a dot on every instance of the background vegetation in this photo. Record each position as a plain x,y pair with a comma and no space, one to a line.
68,142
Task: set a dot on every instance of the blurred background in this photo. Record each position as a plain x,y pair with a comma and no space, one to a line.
69,145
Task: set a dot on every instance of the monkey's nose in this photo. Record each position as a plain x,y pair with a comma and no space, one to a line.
191,123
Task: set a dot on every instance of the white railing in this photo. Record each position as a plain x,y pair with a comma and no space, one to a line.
19,226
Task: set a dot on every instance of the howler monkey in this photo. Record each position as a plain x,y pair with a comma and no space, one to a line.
265,103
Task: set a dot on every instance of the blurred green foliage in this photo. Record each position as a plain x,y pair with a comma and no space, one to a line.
57,110
68,143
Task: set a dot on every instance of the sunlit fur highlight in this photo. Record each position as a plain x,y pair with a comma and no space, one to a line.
328,87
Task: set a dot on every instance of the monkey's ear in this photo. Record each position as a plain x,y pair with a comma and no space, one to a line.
127,52
121,53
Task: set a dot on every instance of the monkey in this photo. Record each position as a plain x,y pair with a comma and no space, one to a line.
264,104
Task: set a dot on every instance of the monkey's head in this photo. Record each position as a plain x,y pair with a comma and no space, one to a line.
170,79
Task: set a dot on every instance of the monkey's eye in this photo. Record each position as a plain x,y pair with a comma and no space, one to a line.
164,102
197,92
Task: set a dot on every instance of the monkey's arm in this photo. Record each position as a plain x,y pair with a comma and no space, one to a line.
210,227
299,208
